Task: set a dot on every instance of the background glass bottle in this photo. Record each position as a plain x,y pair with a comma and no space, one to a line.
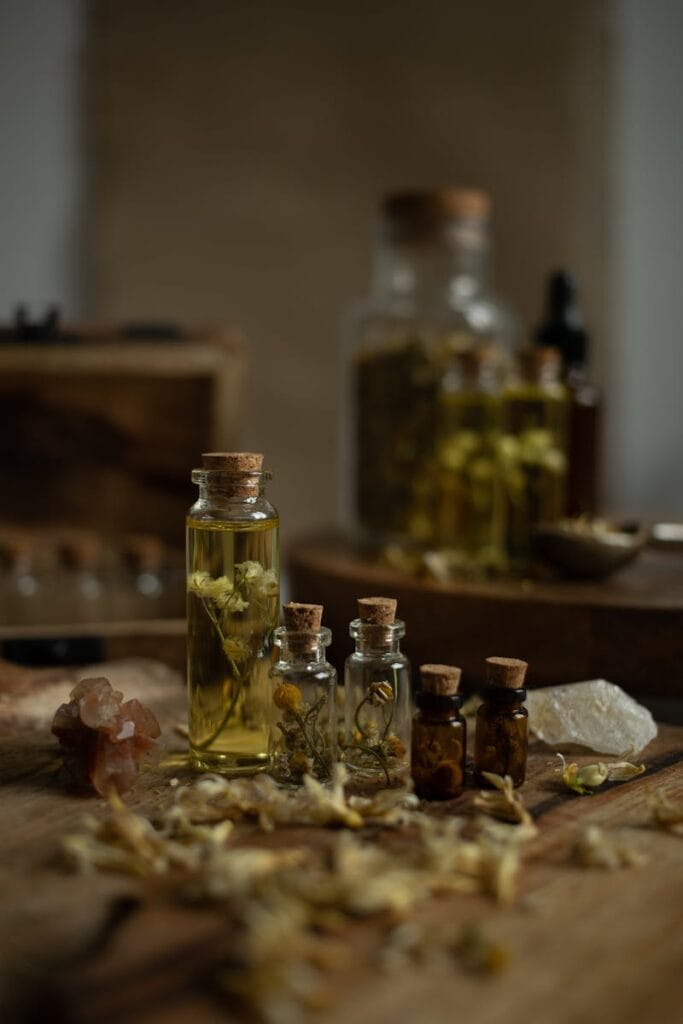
533,450
303,735
377,702
232,608
431,299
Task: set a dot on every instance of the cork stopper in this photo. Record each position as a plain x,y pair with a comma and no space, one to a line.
239,464
441,680
303,618
377,611
302,622
437,204
506,672
540,364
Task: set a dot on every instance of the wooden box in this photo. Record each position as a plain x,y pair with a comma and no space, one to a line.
100,429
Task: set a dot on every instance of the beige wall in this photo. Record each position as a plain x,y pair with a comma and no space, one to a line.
240,147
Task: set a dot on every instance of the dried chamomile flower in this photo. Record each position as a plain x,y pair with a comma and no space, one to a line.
478,952
380,693
595,849
505,803
665,812
590,776
287,697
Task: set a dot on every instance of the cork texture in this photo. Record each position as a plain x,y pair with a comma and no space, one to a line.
509,672
441,680
377,611
233,462
303,618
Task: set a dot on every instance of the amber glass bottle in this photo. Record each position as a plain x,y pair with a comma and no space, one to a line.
438,735
502,738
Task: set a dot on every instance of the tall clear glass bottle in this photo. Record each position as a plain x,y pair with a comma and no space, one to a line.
377,701
533,450
431,300
303,735
233,594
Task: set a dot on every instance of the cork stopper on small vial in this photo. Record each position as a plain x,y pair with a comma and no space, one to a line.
506,672
303,618
377,611
302,622
440,680
237,464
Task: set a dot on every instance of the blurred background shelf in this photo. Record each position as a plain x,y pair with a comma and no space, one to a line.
628,629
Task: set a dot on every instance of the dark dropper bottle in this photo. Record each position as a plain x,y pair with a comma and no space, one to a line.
562,329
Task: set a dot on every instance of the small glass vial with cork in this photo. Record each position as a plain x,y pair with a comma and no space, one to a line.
233,596
439,735
501,734
303,735
377,695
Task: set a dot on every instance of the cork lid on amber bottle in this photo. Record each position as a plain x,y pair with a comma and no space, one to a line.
241,469
440,680
506,673
302,622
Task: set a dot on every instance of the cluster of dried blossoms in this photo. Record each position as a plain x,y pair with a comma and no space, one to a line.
288,902
373,743
253,589
305,735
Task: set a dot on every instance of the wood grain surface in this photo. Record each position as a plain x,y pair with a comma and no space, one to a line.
585,945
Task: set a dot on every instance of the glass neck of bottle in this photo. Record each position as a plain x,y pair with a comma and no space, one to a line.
504,698
296,648
237,488
450,263
377,640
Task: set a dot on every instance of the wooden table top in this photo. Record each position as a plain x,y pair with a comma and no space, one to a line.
585,945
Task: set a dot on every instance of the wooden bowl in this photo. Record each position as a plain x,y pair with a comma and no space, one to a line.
588,549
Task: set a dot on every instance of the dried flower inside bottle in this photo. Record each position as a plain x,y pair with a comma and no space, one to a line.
377,694
501,735
439,735
303,734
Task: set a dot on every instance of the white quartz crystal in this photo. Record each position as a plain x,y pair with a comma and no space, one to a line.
595,714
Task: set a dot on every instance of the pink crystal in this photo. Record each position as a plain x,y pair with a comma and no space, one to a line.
107,738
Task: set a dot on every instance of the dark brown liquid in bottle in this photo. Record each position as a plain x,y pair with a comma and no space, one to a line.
502,736
438,748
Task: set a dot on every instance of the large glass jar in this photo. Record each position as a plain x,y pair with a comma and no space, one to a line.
232,608
431,303
303,738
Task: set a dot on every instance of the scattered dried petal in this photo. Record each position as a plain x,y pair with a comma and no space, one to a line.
665,812
505,803
595,849
590,776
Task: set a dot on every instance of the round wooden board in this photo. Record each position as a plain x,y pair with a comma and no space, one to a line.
628,629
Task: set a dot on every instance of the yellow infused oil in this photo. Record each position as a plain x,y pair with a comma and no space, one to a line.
232,609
